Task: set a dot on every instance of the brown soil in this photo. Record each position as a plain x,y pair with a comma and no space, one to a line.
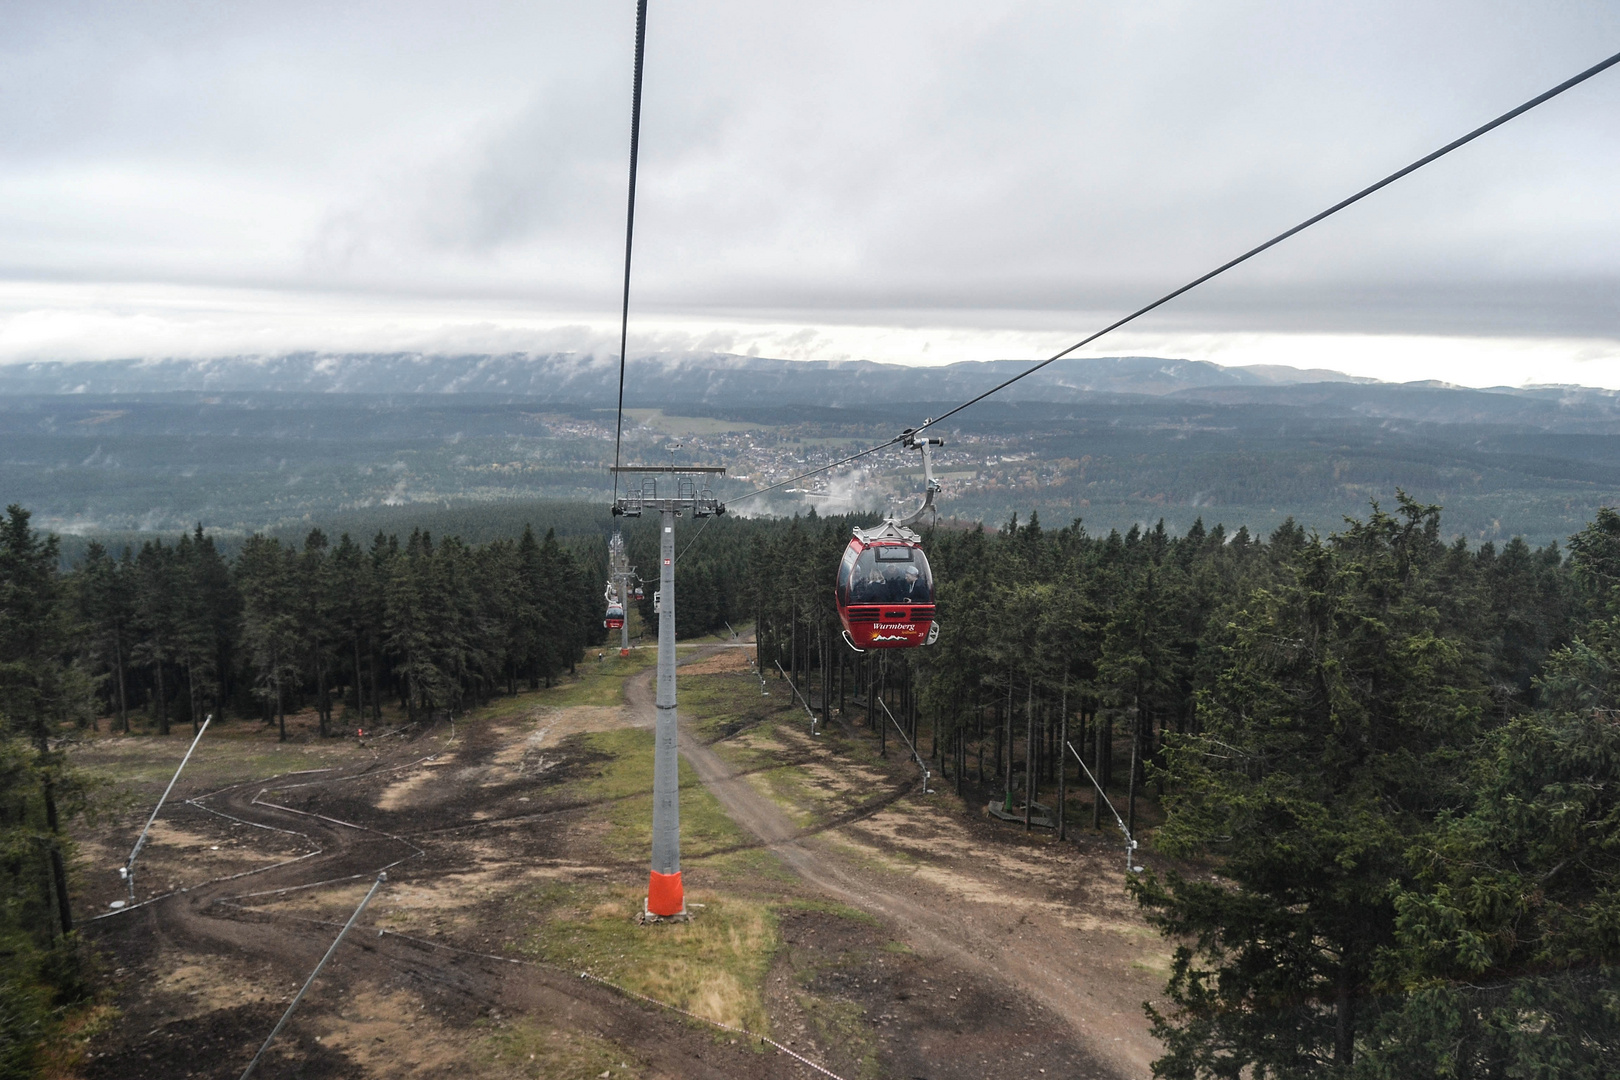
917,940
1051,920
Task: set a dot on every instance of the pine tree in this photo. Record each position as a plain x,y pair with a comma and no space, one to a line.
1330,738
157,621
105,606
266,576
40,690
352,615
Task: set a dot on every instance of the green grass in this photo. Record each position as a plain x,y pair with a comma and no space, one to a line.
599,682
752,867
627,778
719,703
714,965
789,789
833,907
527,1048
231,752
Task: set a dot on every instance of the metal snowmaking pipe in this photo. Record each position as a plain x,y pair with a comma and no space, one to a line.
127,871
247,1072
1130,841
907,740
798,695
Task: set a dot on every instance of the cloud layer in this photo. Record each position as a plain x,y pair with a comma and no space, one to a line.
841,164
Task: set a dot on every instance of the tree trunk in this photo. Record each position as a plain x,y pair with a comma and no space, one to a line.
323,697
163,701
376,694
873,701
843,681
359,686
1105,754
961,756
1344,1026
64,906
1029,753
1063,763
1136,754
123,701
1101,774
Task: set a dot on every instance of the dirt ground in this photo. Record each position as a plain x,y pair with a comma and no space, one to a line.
876,930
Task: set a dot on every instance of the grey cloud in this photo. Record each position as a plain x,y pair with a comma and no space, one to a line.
1063,157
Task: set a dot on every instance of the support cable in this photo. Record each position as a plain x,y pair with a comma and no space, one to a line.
1511,114
629,232
694,539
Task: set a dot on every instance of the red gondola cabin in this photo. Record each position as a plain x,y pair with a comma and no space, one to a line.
885,590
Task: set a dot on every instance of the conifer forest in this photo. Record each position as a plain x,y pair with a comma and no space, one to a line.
1374,775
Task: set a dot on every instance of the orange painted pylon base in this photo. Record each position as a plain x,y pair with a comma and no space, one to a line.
624,652
665,896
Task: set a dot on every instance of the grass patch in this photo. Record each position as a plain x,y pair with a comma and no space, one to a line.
713,966
598,682
832,907
529,1049
753,866
628,778
790,789
868,856
63,1051
721,704
843,1024
222,756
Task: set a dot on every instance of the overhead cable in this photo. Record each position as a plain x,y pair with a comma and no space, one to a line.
629,231
1539,99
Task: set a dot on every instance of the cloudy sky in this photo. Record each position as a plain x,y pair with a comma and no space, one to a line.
910,181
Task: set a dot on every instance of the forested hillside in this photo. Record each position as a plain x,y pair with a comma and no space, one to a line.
1376,775
1389,765
280,444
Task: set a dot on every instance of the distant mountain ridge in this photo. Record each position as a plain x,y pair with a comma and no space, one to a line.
718,381
582,378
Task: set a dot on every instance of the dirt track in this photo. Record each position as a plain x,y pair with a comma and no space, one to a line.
979,978
273,949
986,924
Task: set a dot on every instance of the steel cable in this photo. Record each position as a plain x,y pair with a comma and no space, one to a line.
629,232
1539,99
